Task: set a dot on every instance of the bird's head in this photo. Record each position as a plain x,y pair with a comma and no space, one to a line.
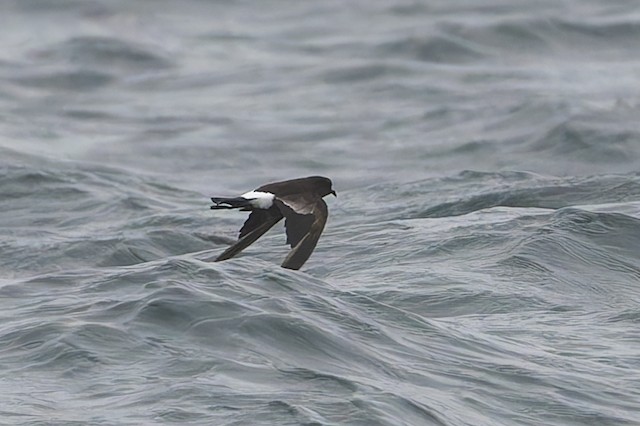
323,185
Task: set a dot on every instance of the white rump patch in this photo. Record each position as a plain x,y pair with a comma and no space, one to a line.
259,200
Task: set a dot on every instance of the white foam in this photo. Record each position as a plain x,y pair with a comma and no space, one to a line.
259,200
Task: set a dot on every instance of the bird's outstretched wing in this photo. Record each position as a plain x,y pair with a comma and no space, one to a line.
257,218
303,229
259,222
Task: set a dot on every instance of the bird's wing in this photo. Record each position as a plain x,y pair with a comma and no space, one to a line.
303,231
257,218
259,222
299,203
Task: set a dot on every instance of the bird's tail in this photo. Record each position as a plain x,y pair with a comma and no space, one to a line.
230,203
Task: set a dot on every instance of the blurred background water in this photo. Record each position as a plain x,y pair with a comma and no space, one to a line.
480,265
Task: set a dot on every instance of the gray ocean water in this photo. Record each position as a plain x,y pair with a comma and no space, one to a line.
480,266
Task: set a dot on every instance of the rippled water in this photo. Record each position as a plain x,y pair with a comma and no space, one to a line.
480,265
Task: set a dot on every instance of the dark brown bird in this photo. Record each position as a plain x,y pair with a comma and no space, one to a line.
299,201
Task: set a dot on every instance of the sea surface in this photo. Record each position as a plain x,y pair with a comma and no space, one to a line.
480,265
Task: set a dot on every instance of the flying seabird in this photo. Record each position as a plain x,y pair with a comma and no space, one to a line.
299,201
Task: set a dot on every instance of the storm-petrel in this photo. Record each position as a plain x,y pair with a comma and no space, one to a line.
299,201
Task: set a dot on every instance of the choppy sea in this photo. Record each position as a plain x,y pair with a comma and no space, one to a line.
480,265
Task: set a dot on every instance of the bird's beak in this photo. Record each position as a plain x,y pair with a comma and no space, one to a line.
334,194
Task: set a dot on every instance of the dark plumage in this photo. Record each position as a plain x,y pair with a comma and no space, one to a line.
299,201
